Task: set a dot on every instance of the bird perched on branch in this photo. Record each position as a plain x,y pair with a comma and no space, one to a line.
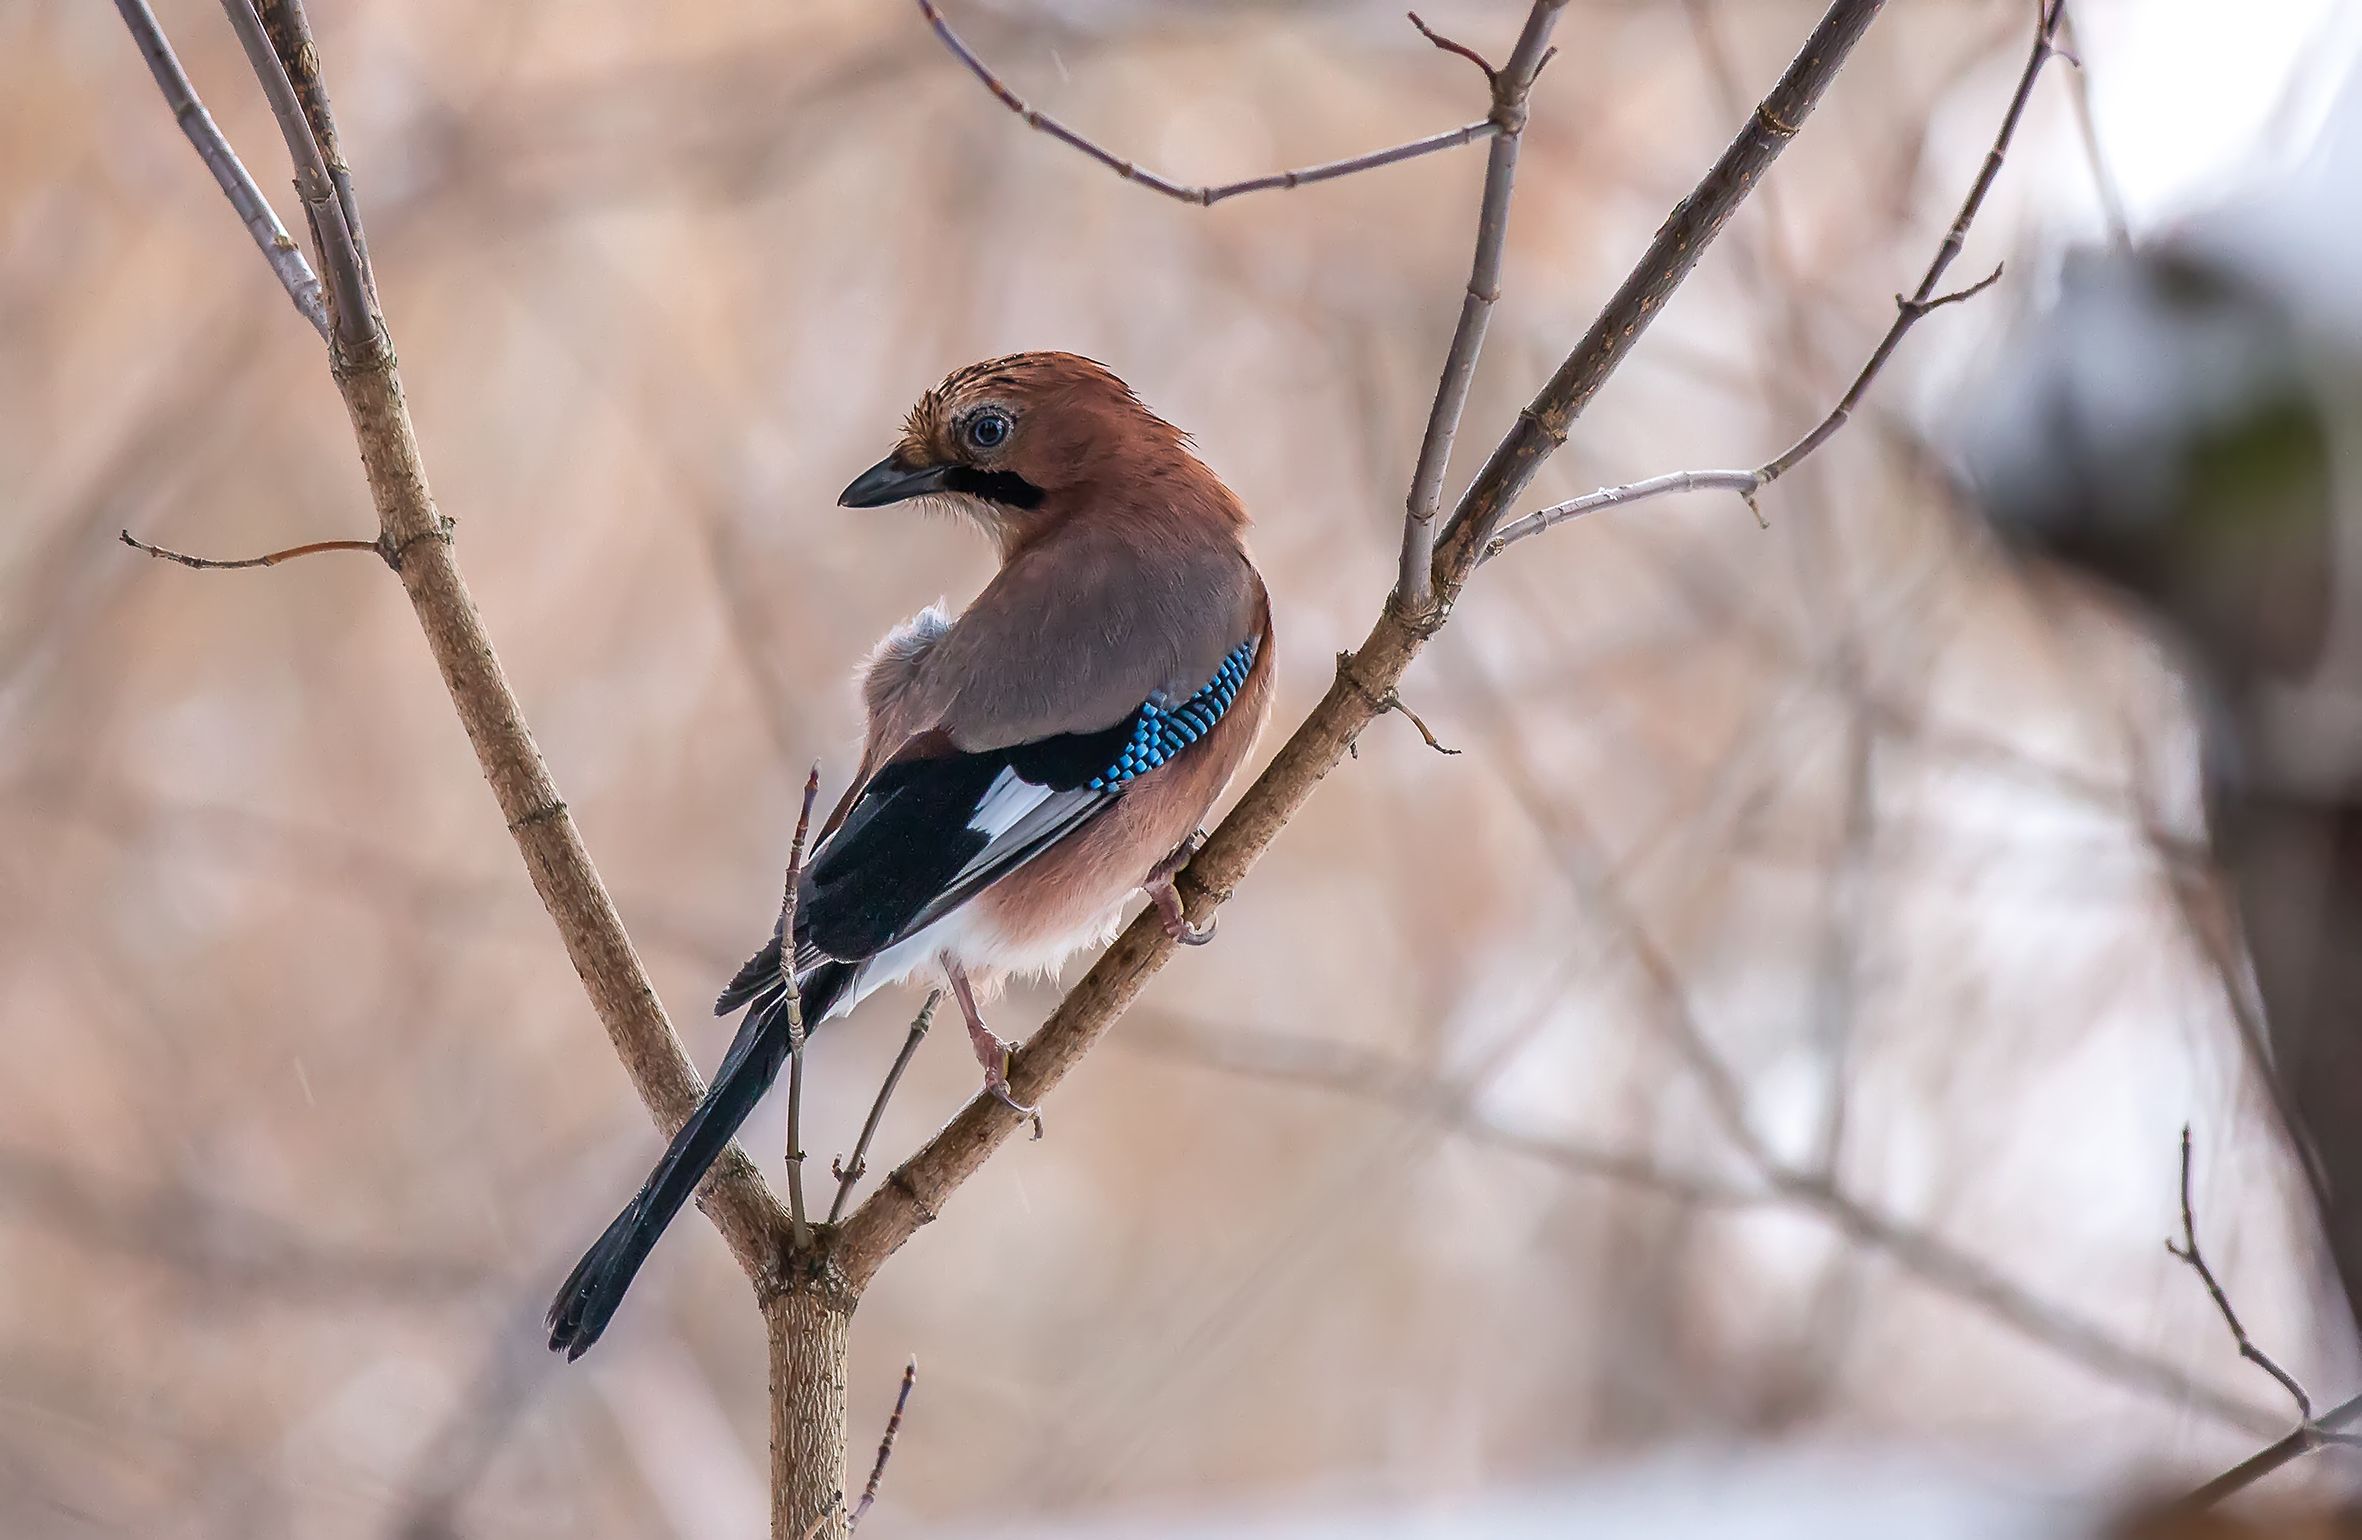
1030,763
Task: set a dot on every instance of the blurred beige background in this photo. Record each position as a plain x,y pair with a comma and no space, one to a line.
1403,1193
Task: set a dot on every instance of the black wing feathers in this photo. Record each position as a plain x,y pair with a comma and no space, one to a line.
899,848
907,841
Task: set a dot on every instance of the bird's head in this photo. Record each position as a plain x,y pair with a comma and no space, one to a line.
1022,442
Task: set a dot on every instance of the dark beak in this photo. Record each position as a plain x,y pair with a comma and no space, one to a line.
891,481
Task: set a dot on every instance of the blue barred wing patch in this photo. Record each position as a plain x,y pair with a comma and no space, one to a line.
1161,732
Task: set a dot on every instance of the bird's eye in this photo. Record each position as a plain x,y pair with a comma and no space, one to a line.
988,430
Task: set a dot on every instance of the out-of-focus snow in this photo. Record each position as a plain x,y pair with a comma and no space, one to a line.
1708,1494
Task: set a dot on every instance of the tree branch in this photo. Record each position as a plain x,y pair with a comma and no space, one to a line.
417,542
850,1172
1512,83
229,173
2323,1430
267,559
918,1189
2187,1250
2311,1432
352,317
290,32
798,1227
1692,226
877,1472
1042,122
1908,312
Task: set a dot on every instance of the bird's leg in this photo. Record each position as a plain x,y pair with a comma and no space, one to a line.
991,1051
1161,892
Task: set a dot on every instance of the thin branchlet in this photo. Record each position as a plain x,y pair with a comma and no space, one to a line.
1512,83
1203,196
794,1006
278,248
877,1471
1910,309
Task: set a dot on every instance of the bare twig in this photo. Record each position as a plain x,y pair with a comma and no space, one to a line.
919,1188
800,1228
268,559
2187,1250
229,173
2311,1432
577,901
1908,312
352,316
1394,703
1966,1274
2046,27
1745,483
2328,1428
1414,586
1483,128
1674,251
1454,46
1919,307
1384,701
290,32
851,1172
877,1472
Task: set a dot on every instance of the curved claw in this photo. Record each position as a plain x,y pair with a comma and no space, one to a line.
996,1085
1176,920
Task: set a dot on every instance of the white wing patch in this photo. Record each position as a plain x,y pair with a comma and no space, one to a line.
1018,819
1007,800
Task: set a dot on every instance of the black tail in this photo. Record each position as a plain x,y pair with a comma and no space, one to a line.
591,1292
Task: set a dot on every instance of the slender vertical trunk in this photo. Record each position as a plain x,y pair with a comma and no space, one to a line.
810,1329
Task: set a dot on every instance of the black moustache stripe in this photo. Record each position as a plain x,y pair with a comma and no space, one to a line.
1005,487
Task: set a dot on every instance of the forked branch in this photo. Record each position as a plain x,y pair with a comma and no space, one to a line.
417,541
229,173
1909,311
2311,1432
1132,171
800,1228
351,312
1414,586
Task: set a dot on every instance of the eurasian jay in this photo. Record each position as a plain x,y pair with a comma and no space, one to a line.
1030,763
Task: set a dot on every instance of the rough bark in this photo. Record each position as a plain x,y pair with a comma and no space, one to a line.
810,1330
